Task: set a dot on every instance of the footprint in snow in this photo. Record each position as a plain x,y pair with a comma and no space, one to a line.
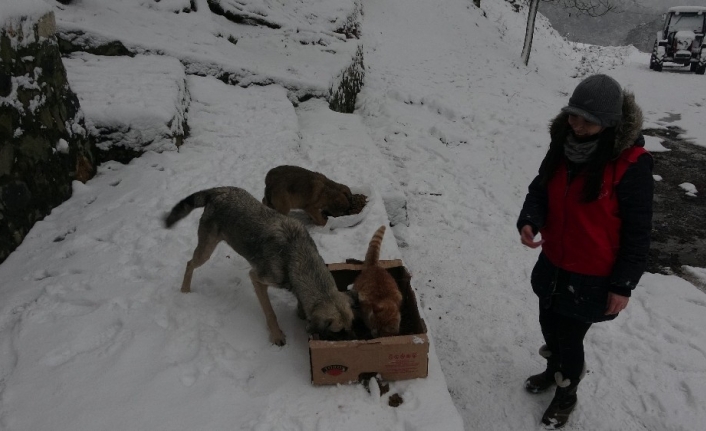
88,341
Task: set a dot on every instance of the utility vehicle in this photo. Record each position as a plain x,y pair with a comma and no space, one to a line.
681,40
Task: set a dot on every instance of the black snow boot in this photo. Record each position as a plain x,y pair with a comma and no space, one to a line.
541,382
564,402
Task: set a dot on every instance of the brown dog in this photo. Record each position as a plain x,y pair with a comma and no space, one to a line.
291,187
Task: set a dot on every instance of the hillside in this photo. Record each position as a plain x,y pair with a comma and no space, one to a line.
631,23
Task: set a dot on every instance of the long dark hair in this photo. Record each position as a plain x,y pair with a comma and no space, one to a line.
593,169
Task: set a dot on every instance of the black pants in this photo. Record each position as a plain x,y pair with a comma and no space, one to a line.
564,338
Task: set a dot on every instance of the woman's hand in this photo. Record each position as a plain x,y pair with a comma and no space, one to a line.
616,303
527,237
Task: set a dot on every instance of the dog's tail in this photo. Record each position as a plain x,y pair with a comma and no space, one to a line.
373,254
188,204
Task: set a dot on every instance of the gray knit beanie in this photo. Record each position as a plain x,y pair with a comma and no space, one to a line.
598,99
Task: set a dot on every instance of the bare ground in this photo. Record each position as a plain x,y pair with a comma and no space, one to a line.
679,221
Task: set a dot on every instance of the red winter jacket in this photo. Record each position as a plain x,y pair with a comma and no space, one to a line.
584,237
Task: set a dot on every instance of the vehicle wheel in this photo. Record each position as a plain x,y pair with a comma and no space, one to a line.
693,67
655,65
700,70
654,62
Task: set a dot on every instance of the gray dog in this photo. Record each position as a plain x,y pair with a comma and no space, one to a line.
279,250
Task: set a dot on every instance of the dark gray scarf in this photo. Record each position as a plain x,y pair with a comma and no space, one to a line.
579,151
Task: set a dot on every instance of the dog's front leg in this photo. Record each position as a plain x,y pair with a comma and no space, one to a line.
276,335
186,283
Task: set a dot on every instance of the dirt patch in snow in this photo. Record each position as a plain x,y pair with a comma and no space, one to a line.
679,221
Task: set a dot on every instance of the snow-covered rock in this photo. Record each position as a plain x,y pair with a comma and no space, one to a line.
131,105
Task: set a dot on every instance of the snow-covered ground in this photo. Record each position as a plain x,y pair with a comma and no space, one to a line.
94,334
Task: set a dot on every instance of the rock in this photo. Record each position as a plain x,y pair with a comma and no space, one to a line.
43,138
146,105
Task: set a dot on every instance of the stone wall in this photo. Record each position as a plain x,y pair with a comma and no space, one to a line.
43,141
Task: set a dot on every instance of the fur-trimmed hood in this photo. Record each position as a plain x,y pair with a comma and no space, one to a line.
627,131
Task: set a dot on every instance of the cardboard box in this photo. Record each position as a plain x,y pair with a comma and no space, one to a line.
405,356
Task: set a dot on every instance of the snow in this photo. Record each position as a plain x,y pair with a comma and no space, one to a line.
698,273
653,144
449,130
12,10
685,9
62,146
689,188
146,99
200,40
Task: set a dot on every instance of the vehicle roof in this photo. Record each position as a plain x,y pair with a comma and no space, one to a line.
687,9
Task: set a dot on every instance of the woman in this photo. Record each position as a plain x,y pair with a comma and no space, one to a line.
592,205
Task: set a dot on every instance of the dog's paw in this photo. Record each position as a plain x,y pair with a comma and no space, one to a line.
278,339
